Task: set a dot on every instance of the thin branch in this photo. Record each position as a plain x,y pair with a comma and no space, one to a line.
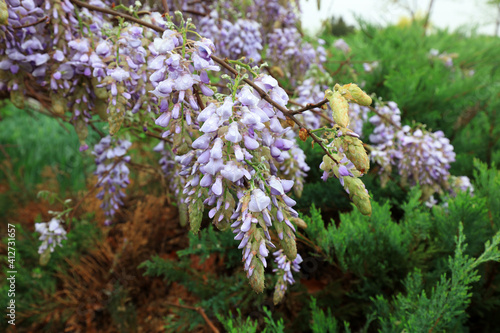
385,117
318,112
198,97
200,311
101,134
165,7
115,13
33,23
342,64
428,14
194,12
309,107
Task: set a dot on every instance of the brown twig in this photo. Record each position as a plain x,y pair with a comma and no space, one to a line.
198,97
318,112
101,134
194,12
33,23
342,64
200,311
115,13
165,7
309,107
385,117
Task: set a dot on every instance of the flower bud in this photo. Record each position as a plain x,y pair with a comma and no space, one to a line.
195,215
279,293
101,107
340,107
288,243
4,13
116,117
358,194
358,95
257,277
299,222
183,213
356,153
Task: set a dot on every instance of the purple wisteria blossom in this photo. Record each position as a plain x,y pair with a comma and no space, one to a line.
242,149
235,40
51,234
284,269
287,48
112,173
420,156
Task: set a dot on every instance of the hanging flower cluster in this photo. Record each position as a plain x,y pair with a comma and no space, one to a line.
112,174
51,234
235,153
241,150
420,156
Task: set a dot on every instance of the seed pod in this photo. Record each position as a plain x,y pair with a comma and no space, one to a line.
358,95
340,107
356,153
4,13
195,215
288,243
257,278
358,194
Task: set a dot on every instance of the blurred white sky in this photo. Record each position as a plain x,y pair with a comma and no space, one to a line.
445,14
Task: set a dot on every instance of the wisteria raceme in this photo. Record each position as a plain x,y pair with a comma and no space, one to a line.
240,151
235,40
112,173
424,157
460,184
294,165
274,14
287,48
51,234
341,45
420,156
284,270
